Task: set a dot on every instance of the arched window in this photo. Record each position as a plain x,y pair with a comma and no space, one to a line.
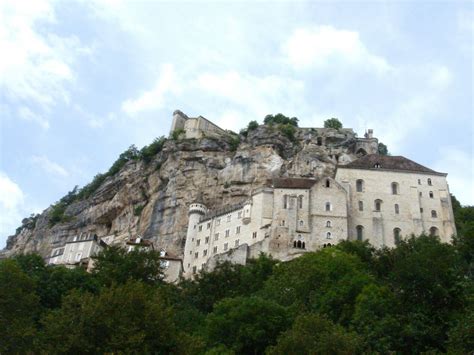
298,244
328,235
396,235
294,244
328,224
285,201
301,223
303,245
377,166
394,188
429,182
361,206
431,194
434,232
360,232
328,183
300,201
359,185
378,205
434,214
397,209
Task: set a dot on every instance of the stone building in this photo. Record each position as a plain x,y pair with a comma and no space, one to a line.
377,198
194,127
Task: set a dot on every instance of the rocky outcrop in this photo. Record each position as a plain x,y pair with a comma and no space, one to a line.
151,199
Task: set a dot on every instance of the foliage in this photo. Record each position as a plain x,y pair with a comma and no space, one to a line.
137,211
149,151
245,324
333,123
176,133
280,119
315,334
234,142
288,130
382,149
253,125
117,265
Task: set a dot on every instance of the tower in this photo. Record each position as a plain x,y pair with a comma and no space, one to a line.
196,211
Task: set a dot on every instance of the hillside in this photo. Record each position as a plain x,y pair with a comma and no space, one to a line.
148,192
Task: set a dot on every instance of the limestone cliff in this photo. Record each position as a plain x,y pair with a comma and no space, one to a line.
151,199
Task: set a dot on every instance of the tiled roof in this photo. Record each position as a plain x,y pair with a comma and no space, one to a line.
386,162
291,183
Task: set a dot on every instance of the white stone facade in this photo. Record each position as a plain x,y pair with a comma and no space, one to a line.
376,198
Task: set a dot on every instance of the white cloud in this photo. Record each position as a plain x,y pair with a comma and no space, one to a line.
154,98
26,114
49,166
460,168
12,205
322,46
35,65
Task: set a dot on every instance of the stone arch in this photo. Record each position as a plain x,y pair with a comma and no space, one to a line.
434,232
361,152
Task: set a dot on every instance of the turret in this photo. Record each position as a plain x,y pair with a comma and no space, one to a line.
179,120
196,211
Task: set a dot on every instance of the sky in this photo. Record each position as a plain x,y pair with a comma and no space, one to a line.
81,81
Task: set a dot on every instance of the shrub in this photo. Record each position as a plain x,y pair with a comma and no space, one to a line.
176,133
333,123
149,151
138,210
280,119
288,130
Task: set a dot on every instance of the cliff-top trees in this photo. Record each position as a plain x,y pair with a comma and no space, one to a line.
333,123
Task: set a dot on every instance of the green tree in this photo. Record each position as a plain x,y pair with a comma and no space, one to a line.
117,265
129,318
149,151
247,325
315,334
253,125
280,119
333,123
382,149
19,306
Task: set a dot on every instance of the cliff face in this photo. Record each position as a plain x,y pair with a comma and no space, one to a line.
152,199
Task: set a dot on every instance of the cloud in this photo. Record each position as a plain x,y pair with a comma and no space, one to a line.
459,166
36,64
12,206
26,114
323,46
154,98
49,166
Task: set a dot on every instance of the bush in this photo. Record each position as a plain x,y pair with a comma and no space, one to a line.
333,123
176,133
138,210
149,151
280,119
382,149
288,130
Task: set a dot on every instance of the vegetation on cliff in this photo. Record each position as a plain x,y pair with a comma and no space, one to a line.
347,299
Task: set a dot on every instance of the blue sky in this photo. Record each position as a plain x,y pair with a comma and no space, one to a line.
80,81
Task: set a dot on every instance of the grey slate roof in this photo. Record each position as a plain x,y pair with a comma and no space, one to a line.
391,163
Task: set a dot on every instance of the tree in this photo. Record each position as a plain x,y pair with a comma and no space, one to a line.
315,334
382,149
128,318
333,123
117,265
280,119
19,306
247,325
252,126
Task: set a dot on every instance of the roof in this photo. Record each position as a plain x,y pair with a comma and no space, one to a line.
387,162
291,183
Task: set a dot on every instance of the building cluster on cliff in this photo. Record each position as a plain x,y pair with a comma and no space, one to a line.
377,198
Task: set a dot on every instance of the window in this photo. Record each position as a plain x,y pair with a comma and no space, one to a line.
394,188
228,218
431,194
328,224
328,183
396,235
206,241
378,205
285,201
420,194
377,166
359,185
361,206
226,246
360,232
194,269
204,253
208,225
300,201
429,182
434,214
78,256
196,255
328,235
254,235
299,244
227,233
434,232
328,206
218,222
200,228
397,209
239,215
237,230
282,223
301,223
419,181
236,243
421,210
215,250
216,236
198,242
